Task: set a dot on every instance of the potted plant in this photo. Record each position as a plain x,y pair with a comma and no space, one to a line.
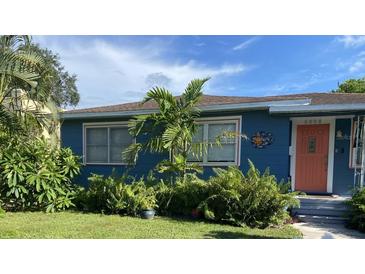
148,206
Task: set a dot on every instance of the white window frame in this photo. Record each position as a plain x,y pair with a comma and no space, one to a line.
222,120
107,125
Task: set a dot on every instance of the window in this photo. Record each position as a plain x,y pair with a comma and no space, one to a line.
227,153
312,144
356,146
104,144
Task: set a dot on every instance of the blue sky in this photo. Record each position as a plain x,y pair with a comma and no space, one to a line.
119,69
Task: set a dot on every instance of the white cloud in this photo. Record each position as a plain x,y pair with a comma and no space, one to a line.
358,65
111,73
352,41
245,44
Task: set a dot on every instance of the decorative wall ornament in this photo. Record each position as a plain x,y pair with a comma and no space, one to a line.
262,139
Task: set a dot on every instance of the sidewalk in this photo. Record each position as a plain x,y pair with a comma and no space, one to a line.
327,231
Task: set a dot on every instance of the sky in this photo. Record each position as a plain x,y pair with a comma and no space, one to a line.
120,69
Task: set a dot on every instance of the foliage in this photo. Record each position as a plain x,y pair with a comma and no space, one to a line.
230,196
19,69
171,129
32,84
37,176
182,197
357,213
351,86
113,195
253,199
61,85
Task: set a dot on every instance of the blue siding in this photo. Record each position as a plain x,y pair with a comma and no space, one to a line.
274,156
343,176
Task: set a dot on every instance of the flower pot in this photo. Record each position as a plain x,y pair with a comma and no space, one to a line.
148,214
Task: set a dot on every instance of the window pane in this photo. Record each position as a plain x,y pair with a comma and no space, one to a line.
224,153
196,154
227,151
218,130
97,136
97,154
312,144
120,136
96,145
120,139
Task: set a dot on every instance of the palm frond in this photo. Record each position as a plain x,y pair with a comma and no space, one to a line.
193,92
162,97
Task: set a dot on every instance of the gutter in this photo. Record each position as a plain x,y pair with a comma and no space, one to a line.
316,108
210,108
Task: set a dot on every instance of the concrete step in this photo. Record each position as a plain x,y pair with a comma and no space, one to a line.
340,212
321,219
322,202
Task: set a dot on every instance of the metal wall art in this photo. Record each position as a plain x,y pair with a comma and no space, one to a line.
262,139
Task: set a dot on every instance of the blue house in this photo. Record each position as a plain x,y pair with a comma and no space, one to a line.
313,139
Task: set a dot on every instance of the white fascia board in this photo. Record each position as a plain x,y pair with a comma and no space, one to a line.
116,114
226,107
317,108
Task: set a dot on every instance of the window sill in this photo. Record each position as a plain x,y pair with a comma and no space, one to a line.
107,164
213,164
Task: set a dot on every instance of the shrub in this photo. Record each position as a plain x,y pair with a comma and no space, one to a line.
357,210
37,176
181,198
114,195
254,200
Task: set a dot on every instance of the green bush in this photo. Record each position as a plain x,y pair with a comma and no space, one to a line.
357,210
230,196
114,195
37,176
253,200
182,197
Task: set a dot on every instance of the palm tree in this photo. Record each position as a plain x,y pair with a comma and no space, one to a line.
20,70
171,129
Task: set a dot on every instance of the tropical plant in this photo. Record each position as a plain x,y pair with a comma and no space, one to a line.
117,195
357,210
253,199
182,197
171,129
22,99
37,176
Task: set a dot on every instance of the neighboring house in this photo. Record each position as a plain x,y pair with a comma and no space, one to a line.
19,101
310,139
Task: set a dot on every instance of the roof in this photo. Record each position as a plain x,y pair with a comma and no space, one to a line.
232,102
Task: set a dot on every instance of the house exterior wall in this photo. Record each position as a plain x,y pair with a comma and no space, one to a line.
274,156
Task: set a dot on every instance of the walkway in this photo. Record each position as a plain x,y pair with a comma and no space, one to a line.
327,231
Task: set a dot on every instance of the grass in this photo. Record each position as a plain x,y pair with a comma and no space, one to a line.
75,225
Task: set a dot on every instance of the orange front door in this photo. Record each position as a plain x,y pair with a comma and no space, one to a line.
312,158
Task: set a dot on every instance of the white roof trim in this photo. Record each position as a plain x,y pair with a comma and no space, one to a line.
228,107
317,108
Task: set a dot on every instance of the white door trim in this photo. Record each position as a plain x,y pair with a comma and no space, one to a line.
331,145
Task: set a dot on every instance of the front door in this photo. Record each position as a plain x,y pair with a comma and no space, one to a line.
312,158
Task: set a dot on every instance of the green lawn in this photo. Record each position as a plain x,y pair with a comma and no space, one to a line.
74,225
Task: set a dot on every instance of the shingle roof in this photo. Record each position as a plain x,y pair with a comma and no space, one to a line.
208,100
